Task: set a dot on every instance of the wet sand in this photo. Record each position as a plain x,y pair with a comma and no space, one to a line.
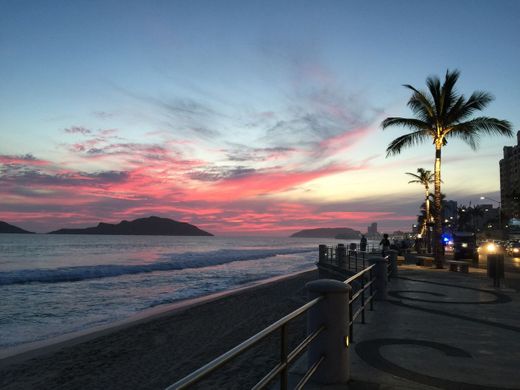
154,352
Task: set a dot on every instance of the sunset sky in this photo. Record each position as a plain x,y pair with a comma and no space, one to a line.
257,117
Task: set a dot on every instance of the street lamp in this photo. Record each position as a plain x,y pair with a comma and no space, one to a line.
499,210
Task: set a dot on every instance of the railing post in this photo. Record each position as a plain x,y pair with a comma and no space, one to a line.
322,250
371,289
341,255
350,317
392,257
381,273
283,357
363,298
333,341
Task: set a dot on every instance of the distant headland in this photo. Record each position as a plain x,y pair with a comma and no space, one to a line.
340,233
8,228
151,226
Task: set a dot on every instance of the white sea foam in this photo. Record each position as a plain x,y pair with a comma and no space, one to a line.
175,262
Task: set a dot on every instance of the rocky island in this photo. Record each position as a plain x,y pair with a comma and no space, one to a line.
8,228
151,226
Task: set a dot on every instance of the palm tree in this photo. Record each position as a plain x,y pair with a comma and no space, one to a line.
463,216
431,198
425,178
441,115
476,216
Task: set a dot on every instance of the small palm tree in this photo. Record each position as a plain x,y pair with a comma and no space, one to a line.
425,178
441,115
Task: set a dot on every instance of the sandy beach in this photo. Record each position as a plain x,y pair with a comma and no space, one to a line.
153,353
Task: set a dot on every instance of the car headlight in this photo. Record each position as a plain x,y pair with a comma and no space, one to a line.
491,248
464,245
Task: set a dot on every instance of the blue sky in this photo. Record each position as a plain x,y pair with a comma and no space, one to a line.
182,103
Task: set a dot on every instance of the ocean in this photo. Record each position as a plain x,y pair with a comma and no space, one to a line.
53,285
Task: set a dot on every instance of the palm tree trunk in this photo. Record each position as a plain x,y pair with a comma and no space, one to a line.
426,222
437,236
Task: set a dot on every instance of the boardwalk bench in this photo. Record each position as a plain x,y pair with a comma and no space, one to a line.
424,260
458,266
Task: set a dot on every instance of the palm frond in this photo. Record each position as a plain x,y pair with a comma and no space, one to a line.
454,114
434,87
466,134
449,95
422,107
470,131
487,125
476,102
411,123
417,177
407,140
420,104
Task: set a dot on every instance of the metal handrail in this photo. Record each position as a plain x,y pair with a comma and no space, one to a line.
359,274
360,294
286,358
309,373
205,370
349,259
290,358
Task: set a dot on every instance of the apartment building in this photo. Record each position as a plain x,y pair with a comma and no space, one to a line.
510,181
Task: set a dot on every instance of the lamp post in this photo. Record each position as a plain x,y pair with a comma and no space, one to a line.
499,210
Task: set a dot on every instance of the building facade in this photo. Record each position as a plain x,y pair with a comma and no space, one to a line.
372,229
510,181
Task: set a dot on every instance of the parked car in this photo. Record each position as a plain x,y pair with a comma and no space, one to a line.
513,249
464,246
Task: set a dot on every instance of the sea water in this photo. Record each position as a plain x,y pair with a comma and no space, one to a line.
51,285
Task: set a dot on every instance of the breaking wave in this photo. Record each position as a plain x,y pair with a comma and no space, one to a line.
173,262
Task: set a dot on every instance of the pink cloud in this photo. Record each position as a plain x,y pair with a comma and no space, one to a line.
262,183
346,140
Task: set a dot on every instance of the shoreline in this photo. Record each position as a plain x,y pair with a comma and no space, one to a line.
19,354
156,351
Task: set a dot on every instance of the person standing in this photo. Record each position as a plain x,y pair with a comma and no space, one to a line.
363,244
385,242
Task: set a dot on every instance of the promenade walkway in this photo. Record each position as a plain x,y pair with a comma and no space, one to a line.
439,330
